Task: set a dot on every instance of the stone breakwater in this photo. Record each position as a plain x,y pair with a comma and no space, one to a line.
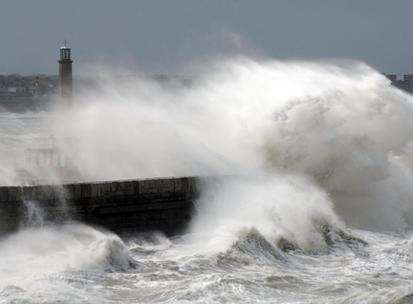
161,204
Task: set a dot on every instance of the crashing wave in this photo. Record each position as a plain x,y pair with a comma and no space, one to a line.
252,246
333,236
251,243
36,253
289,211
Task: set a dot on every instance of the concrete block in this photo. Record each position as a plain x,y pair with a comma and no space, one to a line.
148,186
115,187
180,185
125,188
167,185
28,193
15,194
166,188
94,190
86,190
73,191
45,193
141,204
4,194
100,189
193,187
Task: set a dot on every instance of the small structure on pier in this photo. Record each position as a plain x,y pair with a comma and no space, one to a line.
65,72
45,162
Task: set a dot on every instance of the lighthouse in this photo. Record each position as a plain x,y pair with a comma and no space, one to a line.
65,72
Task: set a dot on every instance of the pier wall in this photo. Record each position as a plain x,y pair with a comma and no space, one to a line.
162,204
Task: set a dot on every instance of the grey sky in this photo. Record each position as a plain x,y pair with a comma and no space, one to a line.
158,36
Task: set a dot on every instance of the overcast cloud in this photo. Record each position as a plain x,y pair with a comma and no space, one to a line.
159,36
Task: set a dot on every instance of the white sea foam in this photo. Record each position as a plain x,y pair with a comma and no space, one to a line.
341,124
306,144
278,206
34,254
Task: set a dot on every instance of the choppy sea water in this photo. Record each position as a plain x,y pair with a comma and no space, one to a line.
317,209
78,264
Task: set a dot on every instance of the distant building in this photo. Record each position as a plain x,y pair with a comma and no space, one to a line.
406,83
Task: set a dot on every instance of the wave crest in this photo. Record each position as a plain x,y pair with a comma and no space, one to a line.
31,254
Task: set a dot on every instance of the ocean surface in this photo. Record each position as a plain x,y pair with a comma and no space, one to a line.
315,205
78,264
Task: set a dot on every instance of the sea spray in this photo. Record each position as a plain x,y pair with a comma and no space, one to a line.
48,206
339,123
35,253
279,207
34,215
328,122
325,120
315,149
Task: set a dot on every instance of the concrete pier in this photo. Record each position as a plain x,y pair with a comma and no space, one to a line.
162,204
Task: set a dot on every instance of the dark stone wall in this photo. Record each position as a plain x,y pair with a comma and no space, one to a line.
164,204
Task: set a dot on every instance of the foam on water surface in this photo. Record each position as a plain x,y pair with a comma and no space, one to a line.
315,207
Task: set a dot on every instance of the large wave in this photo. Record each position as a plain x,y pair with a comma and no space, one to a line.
338,130
35,254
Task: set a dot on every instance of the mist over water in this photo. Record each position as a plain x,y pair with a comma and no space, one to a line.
314,202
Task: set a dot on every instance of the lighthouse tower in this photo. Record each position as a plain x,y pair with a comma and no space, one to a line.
65,72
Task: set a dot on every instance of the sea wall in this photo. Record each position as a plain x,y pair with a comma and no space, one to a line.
162,204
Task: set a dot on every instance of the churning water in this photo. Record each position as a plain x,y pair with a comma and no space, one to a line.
316,205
